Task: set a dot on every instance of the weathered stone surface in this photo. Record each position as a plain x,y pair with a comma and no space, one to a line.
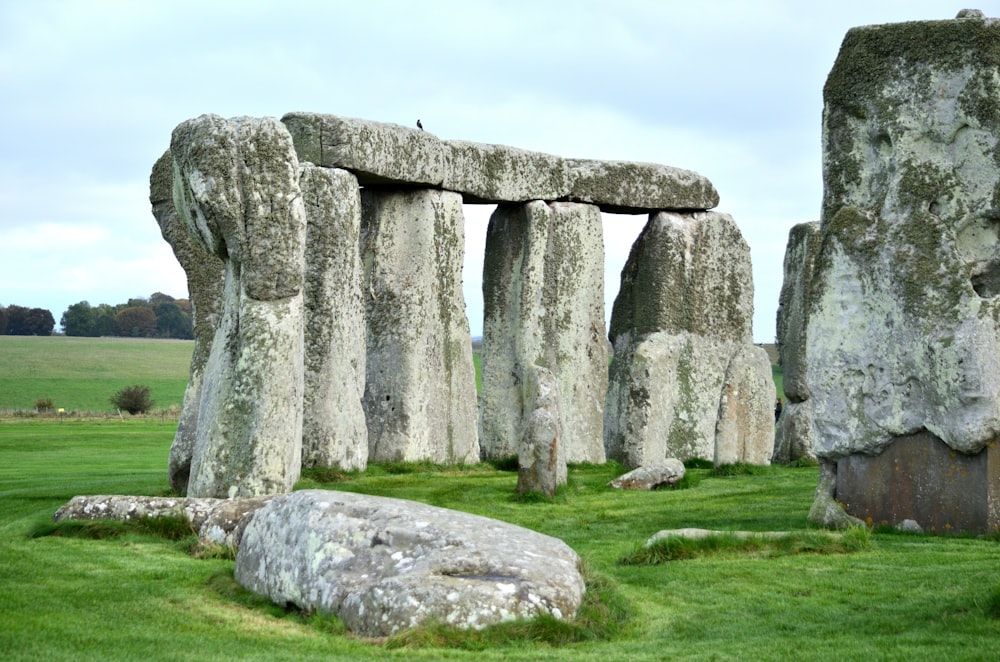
902,329
420,397
205,273
543,287
386,565
744,432
665,473
216,521
800,259
334,431
627,187
826,510
236,183
681,328
687,273
381,154
492,173
794,433
376,152
542,453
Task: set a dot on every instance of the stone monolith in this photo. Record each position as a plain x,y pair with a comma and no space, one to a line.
420,397
236,182
543,290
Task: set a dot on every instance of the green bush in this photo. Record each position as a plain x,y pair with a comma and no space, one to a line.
133,399
43,404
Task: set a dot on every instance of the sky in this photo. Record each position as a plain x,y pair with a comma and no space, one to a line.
91,90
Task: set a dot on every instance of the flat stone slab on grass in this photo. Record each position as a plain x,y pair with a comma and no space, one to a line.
386,565
654,476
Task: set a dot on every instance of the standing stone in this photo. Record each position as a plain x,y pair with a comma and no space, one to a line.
236,182
683,313
542,454
420,397
334,432
793,438
543,290
902,319
205,275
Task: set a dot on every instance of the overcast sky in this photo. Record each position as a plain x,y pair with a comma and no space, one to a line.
90,92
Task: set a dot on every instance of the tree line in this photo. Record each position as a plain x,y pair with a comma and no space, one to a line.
159,316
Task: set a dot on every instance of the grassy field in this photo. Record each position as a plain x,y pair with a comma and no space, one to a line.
141,597
80,374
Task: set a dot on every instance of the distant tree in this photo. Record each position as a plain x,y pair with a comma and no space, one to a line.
137,302
137,322
171,322
78,320
184,305
23,321
156,298
3,321
104,320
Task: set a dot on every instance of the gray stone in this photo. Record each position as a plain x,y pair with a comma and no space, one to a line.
386,565
389,154
902,332
909,526
334,431
794,433
665,473
543,287
826,510
744,432
420,397
497,173
205,273
626,187
542,453
236,183
684,359
376,152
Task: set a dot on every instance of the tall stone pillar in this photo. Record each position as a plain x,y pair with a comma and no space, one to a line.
334,432
543,287
236,183
686,380
420,396
205,274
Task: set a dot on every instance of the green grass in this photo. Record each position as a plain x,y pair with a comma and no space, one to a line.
140,595
81,374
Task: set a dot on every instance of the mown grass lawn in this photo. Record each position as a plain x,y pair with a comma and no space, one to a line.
140,597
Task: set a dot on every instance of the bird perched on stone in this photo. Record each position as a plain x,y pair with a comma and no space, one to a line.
420,125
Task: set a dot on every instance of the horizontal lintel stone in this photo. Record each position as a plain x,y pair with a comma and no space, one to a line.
389,154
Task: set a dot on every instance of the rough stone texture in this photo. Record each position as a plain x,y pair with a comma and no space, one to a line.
386,565
745,429
205,274
626,187
420,397
681,329
902,318
216,521
381,154
492,173
236,183
334,431
543,291
793,439
666,473
910,226
542,453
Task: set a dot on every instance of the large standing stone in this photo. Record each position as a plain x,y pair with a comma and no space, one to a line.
902,323
543,290
793,439
683,313
236,183
420,397
386,565
205,273
334,431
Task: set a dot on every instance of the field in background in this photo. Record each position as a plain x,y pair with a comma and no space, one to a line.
80,374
